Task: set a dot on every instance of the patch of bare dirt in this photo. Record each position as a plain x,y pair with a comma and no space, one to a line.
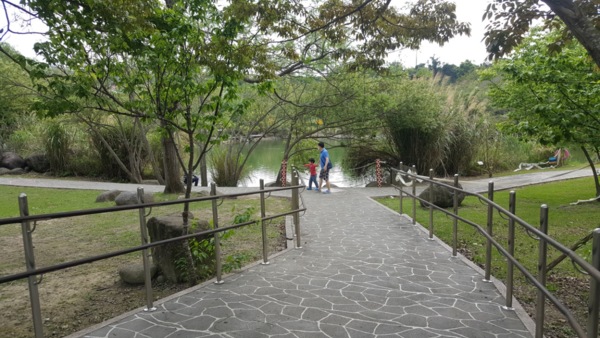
573,292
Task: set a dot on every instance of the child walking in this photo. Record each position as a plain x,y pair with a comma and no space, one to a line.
313,173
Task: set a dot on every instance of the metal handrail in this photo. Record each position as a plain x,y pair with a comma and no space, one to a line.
77,262
557,245
592,269
66,214
32,272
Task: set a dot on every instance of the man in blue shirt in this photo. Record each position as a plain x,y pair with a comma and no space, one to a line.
325,165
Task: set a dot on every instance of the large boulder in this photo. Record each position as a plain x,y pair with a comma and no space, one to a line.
443,197
16,171
108,196
130,198
38,163
11,160
134,273
167,256
4,171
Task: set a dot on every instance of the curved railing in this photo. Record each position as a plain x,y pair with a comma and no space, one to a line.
541,235
32,272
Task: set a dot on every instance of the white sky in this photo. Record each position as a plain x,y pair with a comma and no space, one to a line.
456,51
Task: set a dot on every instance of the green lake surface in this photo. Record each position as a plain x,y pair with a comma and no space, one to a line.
265,161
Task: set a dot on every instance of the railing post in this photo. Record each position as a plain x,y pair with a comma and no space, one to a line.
431,204
217,235
455,221
490,224
512,207
540,306
594,302
145,252
263,224
34,296
296,206
414,193
401,192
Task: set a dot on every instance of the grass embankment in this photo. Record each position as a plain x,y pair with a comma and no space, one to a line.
79,297
567,224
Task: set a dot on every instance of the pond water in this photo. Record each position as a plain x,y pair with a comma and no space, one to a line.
264,162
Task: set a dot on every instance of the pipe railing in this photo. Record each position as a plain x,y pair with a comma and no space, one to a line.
538,280
32,271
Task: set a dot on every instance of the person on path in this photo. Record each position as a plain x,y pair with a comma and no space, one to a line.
325,166
313,173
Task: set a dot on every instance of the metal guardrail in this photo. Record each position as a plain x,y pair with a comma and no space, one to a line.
541,235
32,272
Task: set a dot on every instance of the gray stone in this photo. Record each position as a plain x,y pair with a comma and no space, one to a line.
443,197
108,196
38,163
16,171
134,273
130,198
204,193
10,160
4,171
166,256
200,323
334,330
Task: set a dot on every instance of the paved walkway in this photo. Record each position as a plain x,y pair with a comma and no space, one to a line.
363,271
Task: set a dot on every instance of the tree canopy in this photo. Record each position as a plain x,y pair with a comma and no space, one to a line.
182,61
510,21
550,97
16,95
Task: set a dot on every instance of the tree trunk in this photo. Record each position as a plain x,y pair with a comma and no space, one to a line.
582,26
203,172
573,248
595,173
153,161
173,182
188,185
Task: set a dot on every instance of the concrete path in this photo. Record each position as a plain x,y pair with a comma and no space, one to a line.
363,271
524,179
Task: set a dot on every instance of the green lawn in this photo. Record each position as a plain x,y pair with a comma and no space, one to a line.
65,239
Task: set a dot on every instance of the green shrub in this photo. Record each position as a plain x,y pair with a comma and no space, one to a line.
226,166
204,254
57,142
85,162
27,136
108,165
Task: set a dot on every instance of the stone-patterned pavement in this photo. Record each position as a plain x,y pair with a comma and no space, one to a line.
363,271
